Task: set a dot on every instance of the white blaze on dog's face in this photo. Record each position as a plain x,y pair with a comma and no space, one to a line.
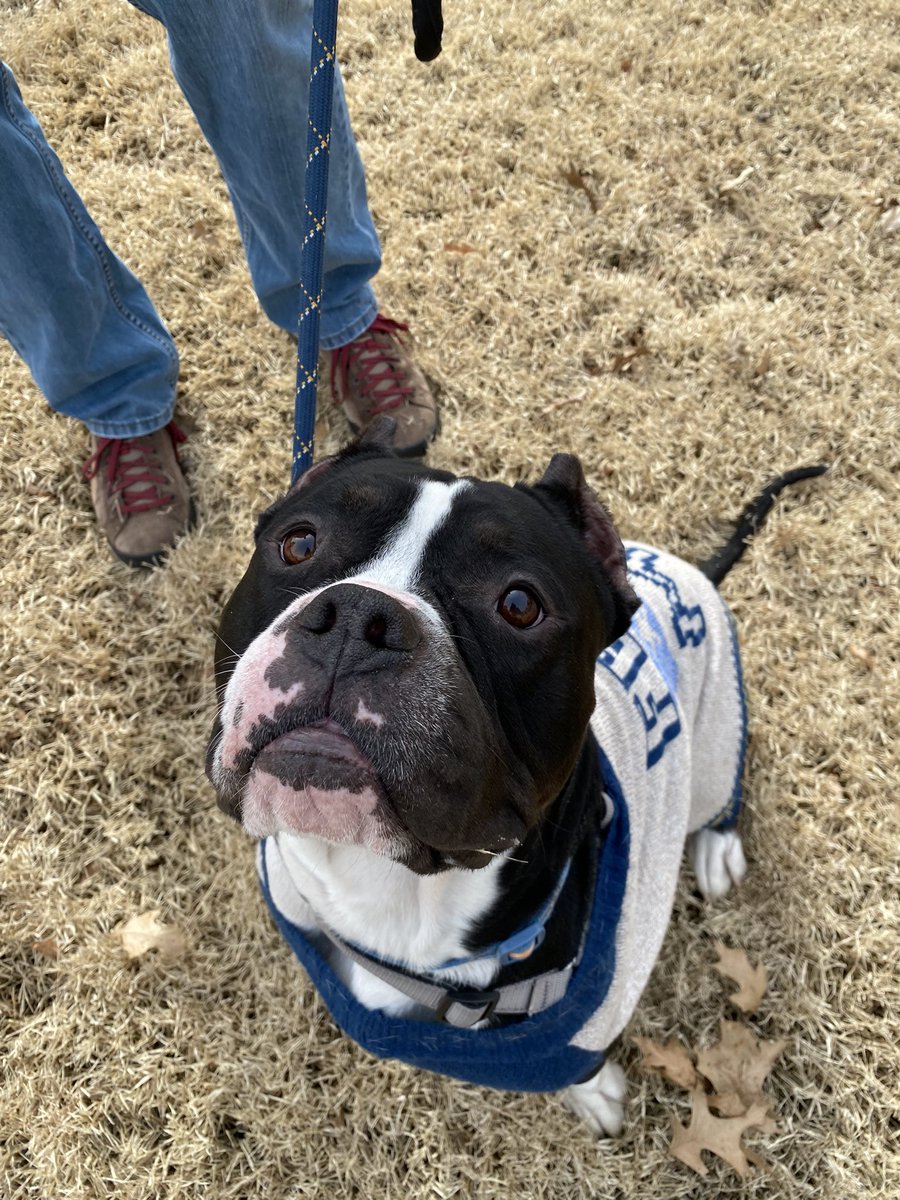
415,658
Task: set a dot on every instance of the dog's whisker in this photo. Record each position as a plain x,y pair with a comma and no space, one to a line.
500,854
219,638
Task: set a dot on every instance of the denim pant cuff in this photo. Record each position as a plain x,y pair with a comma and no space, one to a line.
132,429
348,322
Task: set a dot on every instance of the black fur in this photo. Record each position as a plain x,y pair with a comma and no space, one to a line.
750,520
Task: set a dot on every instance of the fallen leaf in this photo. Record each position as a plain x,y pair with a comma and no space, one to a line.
144,932
721,1136
737,1067
728,1105
731,1105
734,964
460,248
671,1060
46,946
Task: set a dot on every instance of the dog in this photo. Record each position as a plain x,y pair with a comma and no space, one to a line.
473,732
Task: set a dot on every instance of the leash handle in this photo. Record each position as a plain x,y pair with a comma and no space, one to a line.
312,252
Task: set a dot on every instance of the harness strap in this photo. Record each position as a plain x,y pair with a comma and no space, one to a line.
523,943
463,1007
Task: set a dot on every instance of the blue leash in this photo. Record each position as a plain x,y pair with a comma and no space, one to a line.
428,27
318,141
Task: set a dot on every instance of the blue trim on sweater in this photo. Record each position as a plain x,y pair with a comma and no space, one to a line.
532,1055
727,818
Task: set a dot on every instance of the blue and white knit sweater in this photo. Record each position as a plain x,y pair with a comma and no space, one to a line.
671,726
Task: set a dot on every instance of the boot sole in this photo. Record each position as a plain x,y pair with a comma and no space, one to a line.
156,559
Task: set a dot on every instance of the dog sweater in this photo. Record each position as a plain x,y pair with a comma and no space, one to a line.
670,724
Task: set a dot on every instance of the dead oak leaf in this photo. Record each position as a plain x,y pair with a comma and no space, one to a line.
732,1105
144,933
721,1136
728,1104
734,964
671,1060
737,1067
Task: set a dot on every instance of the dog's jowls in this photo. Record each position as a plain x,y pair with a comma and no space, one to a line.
474,739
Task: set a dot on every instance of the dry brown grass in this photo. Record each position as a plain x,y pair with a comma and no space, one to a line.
769,311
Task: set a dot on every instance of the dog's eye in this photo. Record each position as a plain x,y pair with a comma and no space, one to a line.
520,608
298,546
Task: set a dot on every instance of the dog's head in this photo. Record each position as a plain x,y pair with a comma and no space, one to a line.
408,662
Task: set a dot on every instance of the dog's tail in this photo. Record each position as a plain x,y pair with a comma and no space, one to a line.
751,519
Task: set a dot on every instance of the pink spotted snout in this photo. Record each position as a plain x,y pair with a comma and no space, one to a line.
309,713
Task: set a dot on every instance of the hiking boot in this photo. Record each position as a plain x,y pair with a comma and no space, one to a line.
374,374
139,494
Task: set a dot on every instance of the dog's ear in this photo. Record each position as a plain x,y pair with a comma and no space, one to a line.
378,435
564,480
378,438
312,473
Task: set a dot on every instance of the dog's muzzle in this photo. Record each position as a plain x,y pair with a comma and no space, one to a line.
305,711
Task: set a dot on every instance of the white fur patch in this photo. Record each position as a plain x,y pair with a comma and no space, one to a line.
418,920
398,564
366,717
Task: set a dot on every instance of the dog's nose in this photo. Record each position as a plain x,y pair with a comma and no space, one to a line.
359,625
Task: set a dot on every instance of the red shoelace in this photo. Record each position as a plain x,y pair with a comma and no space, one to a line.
380,374
133,471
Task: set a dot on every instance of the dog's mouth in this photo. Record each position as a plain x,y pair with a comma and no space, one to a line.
322,741
313,779
301,772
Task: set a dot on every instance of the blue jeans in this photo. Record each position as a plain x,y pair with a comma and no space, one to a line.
75,313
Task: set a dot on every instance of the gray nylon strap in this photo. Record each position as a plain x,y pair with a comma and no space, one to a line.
527,997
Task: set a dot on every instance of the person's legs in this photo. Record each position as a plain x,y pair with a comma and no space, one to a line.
90,336
78,317
244,69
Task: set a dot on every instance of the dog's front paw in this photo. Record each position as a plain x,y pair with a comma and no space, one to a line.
600,1100
718,860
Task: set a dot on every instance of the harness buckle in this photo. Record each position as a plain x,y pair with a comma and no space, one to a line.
481,1003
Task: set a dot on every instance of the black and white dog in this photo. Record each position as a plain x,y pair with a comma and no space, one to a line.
473,732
